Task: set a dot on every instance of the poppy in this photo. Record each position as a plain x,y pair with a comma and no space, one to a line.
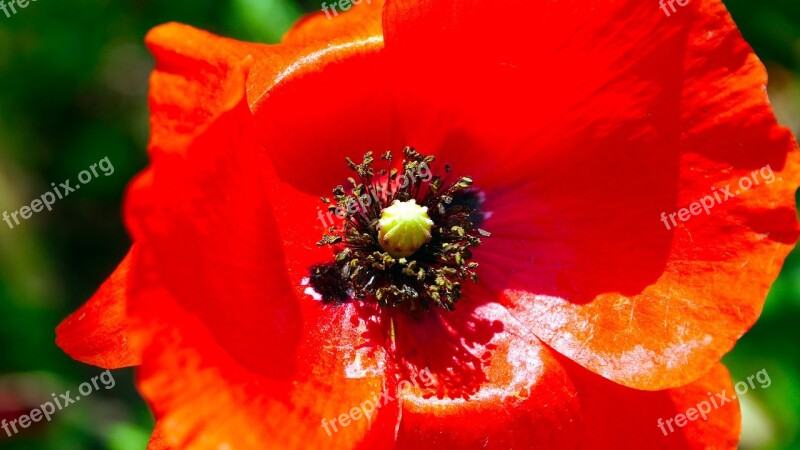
522,290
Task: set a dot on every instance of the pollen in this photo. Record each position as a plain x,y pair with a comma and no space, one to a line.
404,228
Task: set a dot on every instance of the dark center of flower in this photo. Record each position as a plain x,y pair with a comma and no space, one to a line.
404,238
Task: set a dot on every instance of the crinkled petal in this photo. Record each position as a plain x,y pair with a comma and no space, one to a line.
535,398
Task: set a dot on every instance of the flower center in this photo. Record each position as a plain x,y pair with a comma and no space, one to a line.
404,237
404,227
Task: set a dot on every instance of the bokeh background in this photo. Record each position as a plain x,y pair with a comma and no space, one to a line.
73,85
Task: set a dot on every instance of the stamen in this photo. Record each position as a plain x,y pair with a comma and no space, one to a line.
405,237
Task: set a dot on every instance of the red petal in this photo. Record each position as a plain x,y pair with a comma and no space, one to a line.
99,333
192,66
313,162
187,87
577,167
362,20
535,398
218,402
624,418
196,64
492,384
206,216
203,206
157,440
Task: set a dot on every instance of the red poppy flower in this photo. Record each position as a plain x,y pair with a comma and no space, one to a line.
585,128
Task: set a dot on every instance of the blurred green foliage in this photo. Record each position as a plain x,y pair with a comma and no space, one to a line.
74,83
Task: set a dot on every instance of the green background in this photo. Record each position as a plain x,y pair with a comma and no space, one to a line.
73,85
